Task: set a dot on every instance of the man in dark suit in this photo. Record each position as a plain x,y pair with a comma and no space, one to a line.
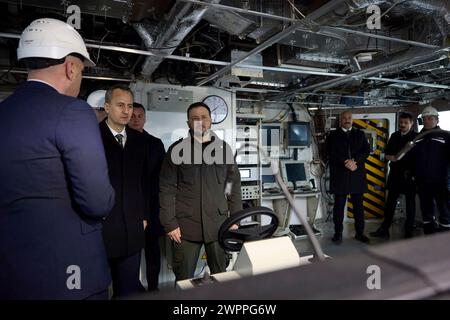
127,157
348,149
400,178
154,232
54,189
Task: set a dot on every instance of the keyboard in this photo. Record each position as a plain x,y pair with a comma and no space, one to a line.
272,191
305,190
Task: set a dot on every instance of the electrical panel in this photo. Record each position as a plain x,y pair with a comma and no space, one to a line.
247,141
250,192
167,99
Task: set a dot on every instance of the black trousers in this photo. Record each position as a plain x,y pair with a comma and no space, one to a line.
125,275
431,194
358,212
391,203
152,259
186,254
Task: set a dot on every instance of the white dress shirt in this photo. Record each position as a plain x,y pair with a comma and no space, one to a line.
346,130
115,133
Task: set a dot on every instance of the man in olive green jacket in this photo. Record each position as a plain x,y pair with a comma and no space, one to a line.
199,188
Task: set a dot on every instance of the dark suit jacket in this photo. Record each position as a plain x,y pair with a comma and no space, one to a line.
123,229
400,174
54,193
155,159
343,146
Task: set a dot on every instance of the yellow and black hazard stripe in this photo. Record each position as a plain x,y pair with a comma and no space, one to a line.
374,199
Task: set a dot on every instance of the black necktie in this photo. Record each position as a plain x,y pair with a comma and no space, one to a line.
348,138
119,138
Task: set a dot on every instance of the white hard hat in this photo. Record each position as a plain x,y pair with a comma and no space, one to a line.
51,38
430,111
97,99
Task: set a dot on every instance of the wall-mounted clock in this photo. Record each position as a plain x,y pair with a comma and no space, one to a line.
219,108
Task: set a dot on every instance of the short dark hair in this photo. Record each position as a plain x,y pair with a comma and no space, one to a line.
109,92
406,115
198,105
137,105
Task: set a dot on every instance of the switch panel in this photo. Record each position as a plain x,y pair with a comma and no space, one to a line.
249,192
167,99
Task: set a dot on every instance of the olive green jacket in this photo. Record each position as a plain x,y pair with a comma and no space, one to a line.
193,192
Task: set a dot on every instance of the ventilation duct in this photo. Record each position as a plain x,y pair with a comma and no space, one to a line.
182,18
439,9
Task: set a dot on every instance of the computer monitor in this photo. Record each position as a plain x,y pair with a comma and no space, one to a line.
271,135
296,173
268,179
298,134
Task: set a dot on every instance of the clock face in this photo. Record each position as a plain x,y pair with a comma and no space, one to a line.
219,108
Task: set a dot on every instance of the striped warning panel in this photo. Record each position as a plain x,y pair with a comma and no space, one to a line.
374,199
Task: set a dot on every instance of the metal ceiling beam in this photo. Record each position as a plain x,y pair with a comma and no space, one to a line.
413,83
354,97
378,36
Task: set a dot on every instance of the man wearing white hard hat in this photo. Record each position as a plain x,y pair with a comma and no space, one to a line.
97,101
55,189
431,156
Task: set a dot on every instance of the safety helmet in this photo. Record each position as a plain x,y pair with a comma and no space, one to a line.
429,111
96,99
53,39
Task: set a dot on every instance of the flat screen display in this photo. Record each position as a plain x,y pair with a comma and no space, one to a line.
295,172
299,134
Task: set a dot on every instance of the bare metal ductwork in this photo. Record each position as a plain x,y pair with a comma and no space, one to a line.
439,8
231,22
245,25
182,18
442,6
146,32
358,4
